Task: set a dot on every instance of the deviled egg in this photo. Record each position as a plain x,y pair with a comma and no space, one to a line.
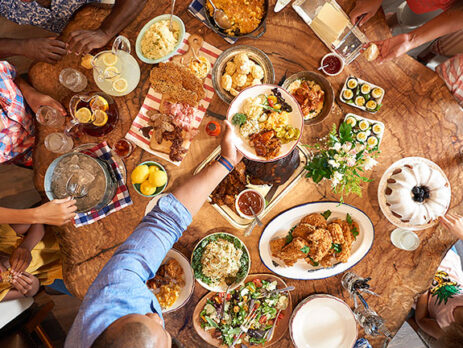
372,141
377,128
351,121
347,94
364,125
352,82
365,88
371,105
361,136
377,93
360,101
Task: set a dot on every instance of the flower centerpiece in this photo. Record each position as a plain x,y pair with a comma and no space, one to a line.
342,158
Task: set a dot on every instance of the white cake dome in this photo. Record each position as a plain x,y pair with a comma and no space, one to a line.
417,194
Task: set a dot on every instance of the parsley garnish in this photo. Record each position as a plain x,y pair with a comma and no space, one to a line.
314,263
239,119
355,232
349,219
289,237
305,249
336,247
326,214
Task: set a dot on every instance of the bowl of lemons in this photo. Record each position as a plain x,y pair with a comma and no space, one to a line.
149,178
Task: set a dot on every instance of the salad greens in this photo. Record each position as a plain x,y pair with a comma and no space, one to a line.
198,253
253,296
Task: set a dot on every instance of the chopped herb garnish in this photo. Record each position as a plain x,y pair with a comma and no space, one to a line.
289,237
326,214
314,263
349,219
336,247
355,232
305,249
239,119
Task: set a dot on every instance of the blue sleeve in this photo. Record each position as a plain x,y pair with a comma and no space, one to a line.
142,253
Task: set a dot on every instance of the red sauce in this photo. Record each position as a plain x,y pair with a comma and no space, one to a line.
334,64
250,199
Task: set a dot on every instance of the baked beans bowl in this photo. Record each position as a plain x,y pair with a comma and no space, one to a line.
248,17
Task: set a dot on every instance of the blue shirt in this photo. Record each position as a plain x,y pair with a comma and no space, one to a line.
120,288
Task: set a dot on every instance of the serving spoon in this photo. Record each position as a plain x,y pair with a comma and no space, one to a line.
230,280
220,18
171,14
256,217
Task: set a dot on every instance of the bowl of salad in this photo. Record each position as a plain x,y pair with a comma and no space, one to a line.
267,122
217,257
255,304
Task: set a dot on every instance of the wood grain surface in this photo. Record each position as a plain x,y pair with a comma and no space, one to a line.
421,119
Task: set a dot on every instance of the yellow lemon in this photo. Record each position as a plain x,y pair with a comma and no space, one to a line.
111,73
101,118
140,174
154,169
158,178
120,85
86,61
83,115
99,103
109,59
147,189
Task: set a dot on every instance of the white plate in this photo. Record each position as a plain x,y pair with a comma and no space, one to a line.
281,224
382,192
335,324
296,120
371,122
187,290
219,288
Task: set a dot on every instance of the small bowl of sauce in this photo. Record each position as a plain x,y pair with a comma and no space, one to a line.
332,64
248,199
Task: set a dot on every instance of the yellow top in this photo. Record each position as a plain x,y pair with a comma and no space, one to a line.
46,257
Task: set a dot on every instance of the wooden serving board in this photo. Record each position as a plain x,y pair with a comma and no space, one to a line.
195,42
280,329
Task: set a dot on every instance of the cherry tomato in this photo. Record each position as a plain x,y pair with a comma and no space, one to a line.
213,129
262,319
257,283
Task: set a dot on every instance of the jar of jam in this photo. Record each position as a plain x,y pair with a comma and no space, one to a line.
123,148
247,200
332,64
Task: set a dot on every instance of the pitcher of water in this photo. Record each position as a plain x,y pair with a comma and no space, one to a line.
115,71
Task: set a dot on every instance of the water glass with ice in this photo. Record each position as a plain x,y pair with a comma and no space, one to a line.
49,116
405,239
58,142
73,79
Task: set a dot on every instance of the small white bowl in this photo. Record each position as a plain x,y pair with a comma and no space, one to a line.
332,55
238,209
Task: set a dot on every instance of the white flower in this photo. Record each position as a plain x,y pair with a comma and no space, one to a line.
359,147
370,163
337,157
351,162
337,177
333,163
336,146
347,146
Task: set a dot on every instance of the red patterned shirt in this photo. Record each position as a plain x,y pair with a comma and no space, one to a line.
16,123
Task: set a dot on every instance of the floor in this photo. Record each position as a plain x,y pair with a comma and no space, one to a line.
17,191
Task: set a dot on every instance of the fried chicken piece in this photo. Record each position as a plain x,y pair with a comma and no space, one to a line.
302,230
315,219
226,192
319,243
327,261
276,245
346,230
173,269
292,252
336,233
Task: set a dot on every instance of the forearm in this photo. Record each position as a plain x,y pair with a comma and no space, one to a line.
12,47
122,14
19,216
27,90
447,22
430,326
33,236
194,192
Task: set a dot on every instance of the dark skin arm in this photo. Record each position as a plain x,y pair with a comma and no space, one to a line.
427,324
122,14
21,256
49,50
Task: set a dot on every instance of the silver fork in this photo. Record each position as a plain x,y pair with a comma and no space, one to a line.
247,323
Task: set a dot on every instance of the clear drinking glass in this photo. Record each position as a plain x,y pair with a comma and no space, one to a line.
73,79
58,142
405,239
49,116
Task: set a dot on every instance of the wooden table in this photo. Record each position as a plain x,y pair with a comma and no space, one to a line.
421,119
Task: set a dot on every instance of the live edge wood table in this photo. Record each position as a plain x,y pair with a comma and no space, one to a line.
421,119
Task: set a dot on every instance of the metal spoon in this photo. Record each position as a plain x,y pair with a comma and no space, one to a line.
220,18
255,217
322,67
229,281
171,14
75,190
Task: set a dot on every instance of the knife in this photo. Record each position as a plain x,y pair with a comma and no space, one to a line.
271,193
281,4
216,115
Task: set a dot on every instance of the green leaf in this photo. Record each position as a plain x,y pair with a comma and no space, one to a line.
355,232
345,132
305,249
289,237
239,119
326,214
337,247
211,322
349,219
314,263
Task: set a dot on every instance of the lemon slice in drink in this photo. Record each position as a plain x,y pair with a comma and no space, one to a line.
99,103
109,59
120,85
101,118
83,115
86,61
111,72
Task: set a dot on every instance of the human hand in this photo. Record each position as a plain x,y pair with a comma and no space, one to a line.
25,283
364,7
57,212
20,259
83,41
35,100
49,50
453,223
229,150
393,47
